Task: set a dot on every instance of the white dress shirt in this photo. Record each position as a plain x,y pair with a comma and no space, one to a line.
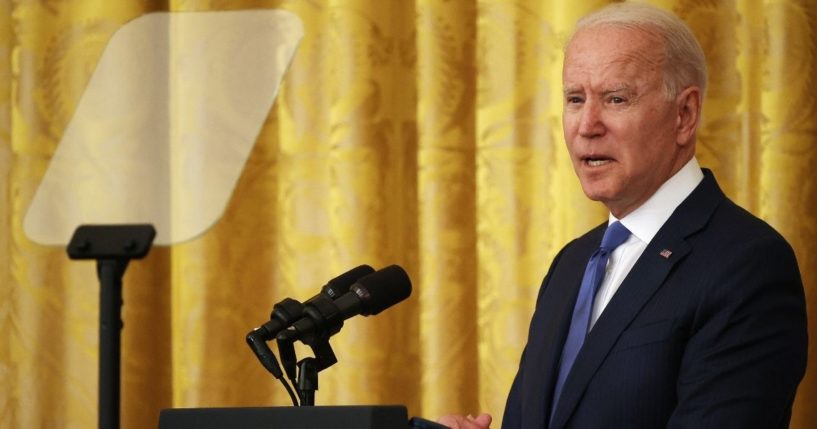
644,222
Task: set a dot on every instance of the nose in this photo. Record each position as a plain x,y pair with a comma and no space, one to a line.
590,121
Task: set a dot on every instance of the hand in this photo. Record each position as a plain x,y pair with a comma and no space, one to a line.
482,421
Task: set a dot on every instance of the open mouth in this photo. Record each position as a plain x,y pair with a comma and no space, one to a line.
596,162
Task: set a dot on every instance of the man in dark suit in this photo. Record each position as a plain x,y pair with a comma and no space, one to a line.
683,310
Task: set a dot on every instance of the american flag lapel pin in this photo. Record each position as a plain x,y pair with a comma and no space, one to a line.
666,253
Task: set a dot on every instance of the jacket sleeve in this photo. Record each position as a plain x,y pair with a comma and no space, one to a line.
747,346
512,418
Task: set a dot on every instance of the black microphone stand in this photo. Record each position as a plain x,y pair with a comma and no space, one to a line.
283,314
113,246
308,368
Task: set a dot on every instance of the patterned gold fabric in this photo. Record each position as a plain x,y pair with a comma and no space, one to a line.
421,133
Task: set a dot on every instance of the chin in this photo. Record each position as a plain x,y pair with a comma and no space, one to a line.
595,196
595,192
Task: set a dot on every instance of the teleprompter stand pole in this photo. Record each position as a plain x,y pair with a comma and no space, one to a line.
113,246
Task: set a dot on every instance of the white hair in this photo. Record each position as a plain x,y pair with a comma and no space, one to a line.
684,65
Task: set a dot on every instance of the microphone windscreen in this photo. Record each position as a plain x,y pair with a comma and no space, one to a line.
382,289
340,285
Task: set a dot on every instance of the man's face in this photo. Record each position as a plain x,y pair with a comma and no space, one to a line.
620,128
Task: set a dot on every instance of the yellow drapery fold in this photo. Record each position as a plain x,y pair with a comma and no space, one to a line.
421,133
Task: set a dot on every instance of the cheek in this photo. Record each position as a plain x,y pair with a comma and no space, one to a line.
571,117
639,143
644,158
567,125
569,129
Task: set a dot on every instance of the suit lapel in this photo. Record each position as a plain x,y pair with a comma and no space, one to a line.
645,278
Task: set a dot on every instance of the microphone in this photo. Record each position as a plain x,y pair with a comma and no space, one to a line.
323,317
287,311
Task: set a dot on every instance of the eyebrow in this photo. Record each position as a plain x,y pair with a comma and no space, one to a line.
626,89
617,88
571,90
622,87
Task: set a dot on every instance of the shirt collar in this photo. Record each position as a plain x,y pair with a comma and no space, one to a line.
645,221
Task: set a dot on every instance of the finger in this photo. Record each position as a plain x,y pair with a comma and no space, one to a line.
483,420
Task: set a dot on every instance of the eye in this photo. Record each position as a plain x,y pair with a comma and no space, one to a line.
617,100
574,99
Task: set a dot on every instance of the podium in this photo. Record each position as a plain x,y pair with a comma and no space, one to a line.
323,417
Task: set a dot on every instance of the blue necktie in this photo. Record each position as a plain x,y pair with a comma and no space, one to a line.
615,235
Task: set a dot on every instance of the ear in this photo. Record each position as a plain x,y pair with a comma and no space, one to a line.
689,114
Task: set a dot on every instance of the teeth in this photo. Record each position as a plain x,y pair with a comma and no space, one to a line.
597,162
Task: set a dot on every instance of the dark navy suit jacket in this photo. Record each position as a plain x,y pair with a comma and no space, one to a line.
708,330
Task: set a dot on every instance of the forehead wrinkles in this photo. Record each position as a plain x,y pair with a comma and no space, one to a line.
637,59
607,52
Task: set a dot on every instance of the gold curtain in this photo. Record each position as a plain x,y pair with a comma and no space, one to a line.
422,133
